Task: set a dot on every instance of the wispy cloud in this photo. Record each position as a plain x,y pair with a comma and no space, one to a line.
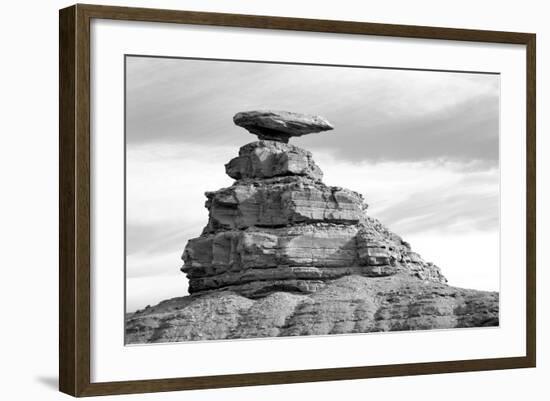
413,197
464,132
159,237
379,115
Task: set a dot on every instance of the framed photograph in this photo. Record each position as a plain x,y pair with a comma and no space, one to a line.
250,200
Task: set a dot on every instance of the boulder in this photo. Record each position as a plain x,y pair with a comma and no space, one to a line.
267,159
280,125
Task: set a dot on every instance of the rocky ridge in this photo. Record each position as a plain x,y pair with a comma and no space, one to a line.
350,304
284,254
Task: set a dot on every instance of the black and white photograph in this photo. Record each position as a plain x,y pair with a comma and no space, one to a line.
269,199
275,200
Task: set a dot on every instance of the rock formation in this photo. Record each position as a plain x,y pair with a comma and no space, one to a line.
284,254
280,125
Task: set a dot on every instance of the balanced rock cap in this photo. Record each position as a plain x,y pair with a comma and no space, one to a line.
280,125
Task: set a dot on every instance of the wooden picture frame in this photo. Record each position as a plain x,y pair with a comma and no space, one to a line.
74,199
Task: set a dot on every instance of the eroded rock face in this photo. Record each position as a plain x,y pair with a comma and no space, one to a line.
350,304
278,227
319,251
303,245
267,159
281,201
280,125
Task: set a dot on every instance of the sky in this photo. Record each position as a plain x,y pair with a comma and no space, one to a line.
421,146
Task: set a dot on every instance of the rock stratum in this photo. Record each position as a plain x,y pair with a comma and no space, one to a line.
284,254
